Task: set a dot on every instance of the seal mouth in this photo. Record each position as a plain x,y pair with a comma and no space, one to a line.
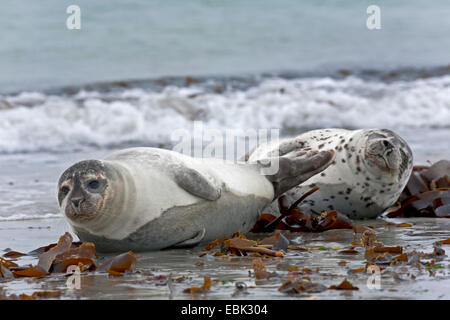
81,209
381,162
77,215
385,165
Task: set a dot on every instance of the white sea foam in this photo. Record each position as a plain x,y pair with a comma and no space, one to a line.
39,121
24,216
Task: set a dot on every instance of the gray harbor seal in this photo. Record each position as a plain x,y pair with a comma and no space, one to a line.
148,199
369,173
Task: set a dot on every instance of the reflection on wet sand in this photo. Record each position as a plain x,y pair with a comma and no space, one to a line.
322,261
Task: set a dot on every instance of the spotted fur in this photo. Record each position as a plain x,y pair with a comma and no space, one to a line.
358,183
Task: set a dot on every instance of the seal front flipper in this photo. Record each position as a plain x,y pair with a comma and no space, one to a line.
197,184
192,242
296,167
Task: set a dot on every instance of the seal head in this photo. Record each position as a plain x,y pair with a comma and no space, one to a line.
84,190
387,153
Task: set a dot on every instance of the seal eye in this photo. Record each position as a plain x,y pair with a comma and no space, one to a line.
93,184
65,190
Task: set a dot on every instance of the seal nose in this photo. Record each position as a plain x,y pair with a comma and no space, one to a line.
387,144
77,201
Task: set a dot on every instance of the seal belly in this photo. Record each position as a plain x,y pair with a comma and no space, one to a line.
220,218
338,197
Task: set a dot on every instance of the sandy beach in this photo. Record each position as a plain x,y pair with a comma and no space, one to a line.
154,268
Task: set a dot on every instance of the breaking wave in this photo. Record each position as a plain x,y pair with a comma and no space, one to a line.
24,216
35,121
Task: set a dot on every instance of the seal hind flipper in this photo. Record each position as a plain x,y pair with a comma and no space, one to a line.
297,167
276,150
292,145
192,242
196,183
246,156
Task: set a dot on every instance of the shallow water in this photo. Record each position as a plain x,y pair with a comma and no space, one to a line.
153,268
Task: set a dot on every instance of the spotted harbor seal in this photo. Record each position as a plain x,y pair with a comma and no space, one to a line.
148,199
370,170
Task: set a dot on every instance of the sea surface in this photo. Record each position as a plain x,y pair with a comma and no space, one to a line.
138,71
146,39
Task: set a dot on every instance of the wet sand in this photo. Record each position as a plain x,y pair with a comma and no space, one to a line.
149,281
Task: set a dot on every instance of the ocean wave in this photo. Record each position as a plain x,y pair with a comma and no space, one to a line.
23,216
33,121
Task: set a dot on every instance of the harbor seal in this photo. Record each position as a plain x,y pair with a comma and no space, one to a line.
148,198
368,175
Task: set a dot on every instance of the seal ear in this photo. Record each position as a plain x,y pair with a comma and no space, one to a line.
296,167
197,184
